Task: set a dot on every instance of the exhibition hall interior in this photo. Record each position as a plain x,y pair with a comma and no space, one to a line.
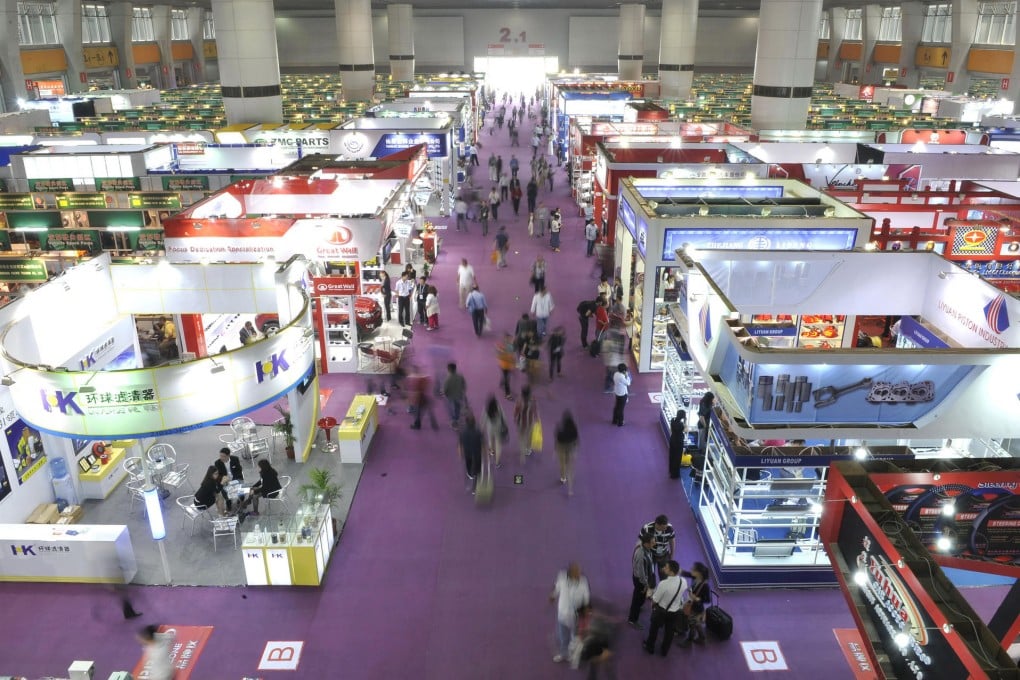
509,339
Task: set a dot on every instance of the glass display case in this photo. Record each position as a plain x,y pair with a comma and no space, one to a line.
758,510
339,332
682,385
290,549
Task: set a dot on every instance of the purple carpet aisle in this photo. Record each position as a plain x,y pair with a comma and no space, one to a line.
425,584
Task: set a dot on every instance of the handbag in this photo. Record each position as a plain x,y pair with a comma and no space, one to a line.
536,435
494,257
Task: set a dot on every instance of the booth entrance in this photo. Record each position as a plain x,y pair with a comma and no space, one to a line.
516,74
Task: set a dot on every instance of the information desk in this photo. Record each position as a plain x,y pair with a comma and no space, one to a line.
355,431
76,553
290,550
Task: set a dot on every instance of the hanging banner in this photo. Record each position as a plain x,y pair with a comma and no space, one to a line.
146,240
155,200
83,201
51,185
86,240
16,202
22,270
118,184
186,183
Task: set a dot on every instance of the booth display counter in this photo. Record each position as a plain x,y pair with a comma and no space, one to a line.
355,432
290,550
99,479
73,553
682,385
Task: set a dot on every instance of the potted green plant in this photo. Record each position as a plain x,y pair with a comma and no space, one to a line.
322,489
285,427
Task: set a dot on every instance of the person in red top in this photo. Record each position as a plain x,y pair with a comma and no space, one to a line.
601,316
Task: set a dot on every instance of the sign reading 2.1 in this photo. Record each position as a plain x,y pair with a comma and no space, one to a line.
505,36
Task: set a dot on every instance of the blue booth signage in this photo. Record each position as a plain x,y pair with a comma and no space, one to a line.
757,239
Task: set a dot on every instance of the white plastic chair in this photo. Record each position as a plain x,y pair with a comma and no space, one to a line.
135,487
224,526
178,477
260,447
161,452
133,466
279,497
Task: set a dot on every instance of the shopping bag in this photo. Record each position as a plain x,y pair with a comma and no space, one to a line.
494,257
536,436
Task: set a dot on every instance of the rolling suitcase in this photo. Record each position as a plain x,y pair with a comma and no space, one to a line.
718,622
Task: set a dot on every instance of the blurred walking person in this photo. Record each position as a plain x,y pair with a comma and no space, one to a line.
567,439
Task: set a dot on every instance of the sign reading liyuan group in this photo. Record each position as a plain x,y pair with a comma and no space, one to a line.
166,399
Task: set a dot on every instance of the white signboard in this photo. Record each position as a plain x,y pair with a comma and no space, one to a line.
972,312
166,399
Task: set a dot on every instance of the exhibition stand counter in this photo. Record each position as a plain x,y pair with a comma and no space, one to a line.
289,550
355,431
77,553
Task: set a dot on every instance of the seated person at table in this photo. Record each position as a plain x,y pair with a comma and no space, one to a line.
210,491
268,484
229,466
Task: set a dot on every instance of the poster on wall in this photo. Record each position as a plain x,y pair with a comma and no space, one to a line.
821,331
26,449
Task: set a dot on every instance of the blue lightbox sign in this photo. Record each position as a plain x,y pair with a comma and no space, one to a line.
748,191
392,142
919,335
757,239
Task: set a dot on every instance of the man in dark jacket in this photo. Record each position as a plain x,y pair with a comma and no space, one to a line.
585,311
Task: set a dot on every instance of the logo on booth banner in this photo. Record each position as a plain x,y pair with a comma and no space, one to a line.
340,236
704,318
996,314
354,142
58,400
271,367
890,597
23,550
976,241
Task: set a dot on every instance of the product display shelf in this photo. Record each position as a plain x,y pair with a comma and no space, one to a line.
682,386
289,550
101,479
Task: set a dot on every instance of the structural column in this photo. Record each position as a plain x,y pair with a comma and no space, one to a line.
630,57
965,18
837,30
400,22
12,79
121,19
196,36
161,31
69,30
357,51
1012,89
248,60
784,63
912,27
678,35
871,24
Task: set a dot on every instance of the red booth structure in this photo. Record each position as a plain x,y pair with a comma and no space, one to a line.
975,226
890,527
344,226
653,157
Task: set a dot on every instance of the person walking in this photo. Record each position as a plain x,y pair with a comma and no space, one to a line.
555,224
515,196
704,420
611,344
432,309
541,219
499,166
570,593
667,602
642,575
677,443
404,288
566,449
532,192
515,166
501,244
455,391
557,341
494,428
525,417
156,653
585,312
419,398
472,154
621,387
504,187
460,209
494,201
542,307
538,273
493,171
483,216
421,294
506,357
476,305
465,281
469,445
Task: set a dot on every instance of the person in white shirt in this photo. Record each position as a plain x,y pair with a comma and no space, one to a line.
465,282
667,601
570,593
541,308
156,653
621,388
460,210
404,287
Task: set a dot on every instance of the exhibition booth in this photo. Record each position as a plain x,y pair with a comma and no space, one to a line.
460,110
344,226
890,528
651,157
926,398
657,216
104,414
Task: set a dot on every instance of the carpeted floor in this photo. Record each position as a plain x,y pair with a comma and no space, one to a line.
424,583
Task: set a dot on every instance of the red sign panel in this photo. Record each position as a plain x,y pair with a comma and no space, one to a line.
852,644
336,285
1004,85
185,646
950,77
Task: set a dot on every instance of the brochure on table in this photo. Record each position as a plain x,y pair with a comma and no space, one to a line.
923,393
